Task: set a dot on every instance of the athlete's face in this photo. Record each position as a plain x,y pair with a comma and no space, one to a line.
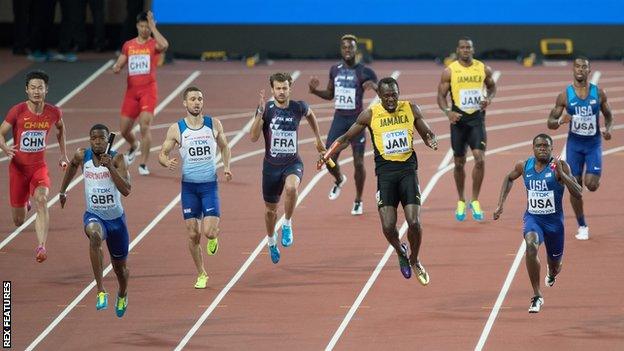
348,48
194,102
389,96
465,50
542,149
281,91
36,90
581,70
143,30
99,140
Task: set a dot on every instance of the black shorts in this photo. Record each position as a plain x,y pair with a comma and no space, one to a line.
398,186
339,126
468,131
274,178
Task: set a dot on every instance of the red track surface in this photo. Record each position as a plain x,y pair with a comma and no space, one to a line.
301,302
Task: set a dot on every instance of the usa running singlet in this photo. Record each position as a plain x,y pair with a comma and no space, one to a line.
198,150
101,195
544,192
584,112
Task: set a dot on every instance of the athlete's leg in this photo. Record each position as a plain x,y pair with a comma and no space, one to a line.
388,215
577,204
291,186
210,227
192,229
532,261
19,215
19,184
478,172
414,230
95,233
360,173
335,130
270,217
122,273
125,126
145,121
459,175
42,222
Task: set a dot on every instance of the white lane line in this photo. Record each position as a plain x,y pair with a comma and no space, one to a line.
79,88
390,249
258,249
78,179
514,268
447,158
595,77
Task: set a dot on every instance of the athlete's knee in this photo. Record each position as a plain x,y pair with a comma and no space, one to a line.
291,190
193,233
388,227
459,164
592,184
94,240
413,225
531,247
212,231
270,212
41,199
479,162
18,220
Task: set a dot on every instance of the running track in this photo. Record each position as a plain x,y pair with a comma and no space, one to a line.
302,302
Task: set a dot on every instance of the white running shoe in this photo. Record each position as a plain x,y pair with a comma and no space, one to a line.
549,280
358,208
583,233
143,170
131,155
334,192
536,304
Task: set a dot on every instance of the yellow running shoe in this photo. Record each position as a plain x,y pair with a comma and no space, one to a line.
120,305
421,273
212,247
460,212
477,213
102,301
201,282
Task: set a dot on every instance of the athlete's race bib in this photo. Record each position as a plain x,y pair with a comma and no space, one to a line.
199,150
283,142
583,125
469,99
101,198
541,202
396,142
344,98
33,141
138,64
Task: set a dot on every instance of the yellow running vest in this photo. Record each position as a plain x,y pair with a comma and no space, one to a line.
393,132
467,85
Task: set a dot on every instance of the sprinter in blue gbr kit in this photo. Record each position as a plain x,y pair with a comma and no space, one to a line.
545,179
106,178
583,102
278,121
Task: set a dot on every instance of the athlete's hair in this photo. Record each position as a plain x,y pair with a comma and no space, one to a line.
37,75
584,58
543,136
141,17
99,127
188,90
466,38
348,37
387,81
280,77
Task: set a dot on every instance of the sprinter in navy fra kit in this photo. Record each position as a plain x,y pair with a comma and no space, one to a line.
545,179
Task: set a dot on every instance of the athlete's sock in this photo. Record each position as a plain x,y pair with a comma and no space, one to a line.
287,222
581,221
272,240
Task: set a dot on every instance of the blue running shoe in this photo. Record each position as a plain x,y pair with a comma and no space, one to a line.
287,235
275,254
460,212
404,264
102,301
477,213
120,305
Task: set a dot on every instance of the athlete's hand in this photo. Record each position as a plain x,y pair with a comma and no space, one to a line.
313,84
453,116
172,164
10,151
483,104
62,199
261,104
116,69
498,212
319,146
557,166
106,160
150,20
432,141
606,134
228,174
564,119
369,85
64,162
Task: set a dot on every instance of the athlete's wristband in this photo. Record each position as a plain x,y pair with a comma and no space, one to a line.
446,111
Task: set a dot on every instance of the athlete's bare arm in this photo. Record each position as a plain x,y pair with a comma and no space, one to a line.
70,173
444,87
423,129
161,43
118,171
606,112
256,127
490,88
515,173
172,139
326,94
363,121
60,136
226,152
564,175
5,127
315,129
120,63
369,85
554,119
